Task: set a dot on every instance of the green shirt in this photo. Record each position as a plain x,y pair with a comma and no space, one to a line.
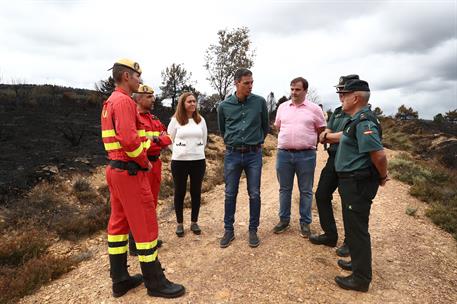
354,153
243,123
336,123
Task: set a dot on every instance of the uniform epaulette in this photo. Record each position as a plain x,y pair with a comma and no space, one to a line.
370,116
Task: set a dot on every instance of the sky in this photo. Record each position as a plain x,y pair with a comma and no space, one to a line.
406,50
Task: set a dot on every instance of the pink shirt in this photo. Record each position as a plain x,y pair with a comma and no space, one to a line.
298,125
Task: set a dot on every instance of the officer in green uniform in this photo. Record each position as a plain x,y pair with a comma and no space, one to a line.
328,181
361,165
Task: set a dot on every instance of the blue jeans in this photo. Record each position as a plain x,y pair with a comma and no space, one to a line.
234,164
287,165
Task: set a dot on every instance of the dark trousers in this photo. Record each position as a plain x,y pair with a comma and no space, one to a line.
181,169
328,182
357,196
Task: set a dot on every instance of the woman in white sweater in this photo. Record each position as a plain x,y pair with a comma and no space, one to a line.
189,134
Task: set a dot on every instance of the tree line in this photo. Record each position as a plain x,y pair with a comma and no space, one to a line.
234,50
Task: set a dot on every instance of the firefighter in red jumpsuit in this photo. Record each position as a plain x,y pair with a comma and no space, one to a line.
158,139
132,201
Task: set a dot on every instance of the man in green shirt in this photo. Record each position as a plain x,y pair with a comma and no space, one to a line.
328,181
361,165
243,122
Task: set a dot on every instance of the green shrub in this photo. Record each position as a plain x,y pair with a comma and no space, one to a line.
430,183
444,216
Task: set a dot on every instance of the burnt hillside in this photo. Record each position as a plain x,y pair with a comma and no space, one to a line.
45,130
425,139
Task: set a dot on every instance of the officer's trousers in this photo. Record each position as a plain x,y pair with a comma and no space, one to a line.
132,209
155,177
357,196
328,182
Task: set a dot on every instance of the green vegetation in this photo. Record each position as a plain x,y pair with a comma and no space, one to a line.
433,184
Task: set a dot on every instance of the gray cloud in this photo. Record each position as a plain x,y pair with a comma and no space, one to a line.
292,17
407,50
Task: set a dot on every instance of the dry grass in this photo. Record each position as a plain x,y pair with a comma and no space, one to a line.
84,223
18,247
29,276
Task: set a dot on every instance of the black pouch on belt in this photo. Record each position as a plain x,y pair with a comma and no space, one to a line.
132,168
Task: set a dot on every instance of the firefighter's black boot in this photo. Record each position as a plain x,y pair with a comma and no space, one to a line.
122,281
132,246
157,284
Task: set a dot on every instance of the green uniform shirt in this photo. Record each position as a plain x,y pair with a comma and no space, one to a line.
243,123
353,153
336,123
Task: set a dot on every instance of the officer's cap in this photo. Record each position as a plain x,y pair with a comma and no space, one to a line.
135,66
145,89
344,79
354,85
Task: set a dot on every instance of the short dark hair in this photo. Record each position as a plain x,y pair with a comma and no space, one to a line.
302,80
118,70
242,72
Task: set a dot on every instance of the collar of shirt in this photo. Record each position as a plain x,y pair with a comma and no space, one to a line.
234,99
363,110
117,89
303,104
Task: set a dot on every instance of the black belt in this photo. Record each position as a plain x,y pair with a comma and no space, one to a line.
153,158
244,149
131,166
357,174
295,150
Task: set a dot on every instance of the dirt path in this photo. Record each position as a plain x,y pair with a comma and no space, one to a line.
413,260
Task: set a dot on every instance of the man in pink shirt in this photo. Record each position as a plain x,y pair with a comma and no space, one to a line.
299,122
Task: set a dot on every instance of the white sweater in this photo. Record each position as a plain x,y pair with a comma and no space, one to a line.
189,140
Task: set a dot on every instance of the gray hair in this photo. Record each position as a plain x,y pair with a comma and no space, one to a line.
365,95
135,96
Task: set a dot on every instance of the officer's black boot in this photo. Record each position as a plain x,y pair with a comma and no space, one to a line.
122,281
157,284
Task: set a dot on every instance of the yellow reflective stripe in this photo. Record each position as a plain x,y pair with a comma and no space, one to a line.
146,144
108,133
117,250
152,133
147,245
118,238
112,146
141,133
148,258
136,152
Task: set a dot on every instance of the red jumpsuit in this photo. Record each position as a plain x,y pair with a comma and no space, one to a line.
132,202
154,128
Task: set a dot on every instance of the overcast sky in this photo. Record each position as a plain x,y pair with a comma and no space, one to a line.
406,50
